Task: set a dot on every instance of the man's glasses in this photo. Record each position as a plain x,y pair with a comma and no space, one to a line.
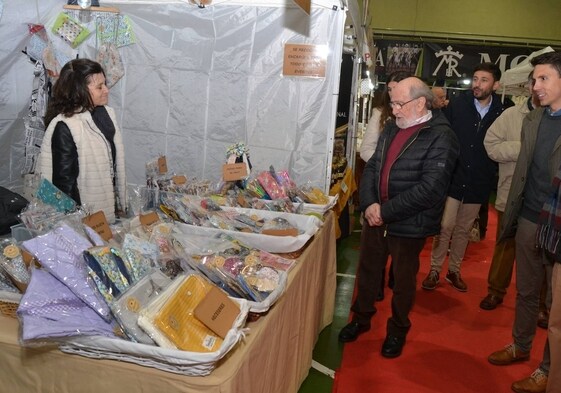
400,105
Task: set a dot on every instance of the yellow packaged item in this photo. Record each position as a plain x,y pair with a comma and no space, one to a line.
177,321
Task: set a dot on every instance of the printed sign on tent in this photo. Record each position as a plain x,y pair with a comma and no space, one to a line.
305,60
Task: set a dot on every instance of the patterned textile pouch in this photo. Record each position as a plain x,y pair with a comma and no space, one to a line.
51,195
126,307
108,271
70,30
110,59
141,255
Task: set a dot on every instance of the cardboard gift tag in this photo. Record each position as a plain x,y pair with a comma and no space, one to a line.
179,179
234,172
162,165
149,218
217,311
98,222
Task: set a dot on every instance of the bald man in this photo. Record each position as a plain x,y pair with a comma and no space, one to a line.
440,100
402,194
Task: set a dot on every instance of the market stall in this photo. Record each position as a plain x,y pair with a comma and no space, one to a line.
190,81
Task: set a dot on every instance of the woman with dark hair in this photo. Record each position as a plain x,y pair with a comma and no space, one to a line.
380,115
82,151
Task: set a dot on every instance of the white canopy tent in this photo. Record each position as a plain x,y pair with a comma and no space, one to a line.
196,81
514,80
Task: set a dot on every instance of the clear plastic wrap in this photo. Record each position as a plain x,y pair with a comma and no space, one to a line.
108,271
140,254
60,253
168,260
11,261
240,270
169,319
50,312
128,305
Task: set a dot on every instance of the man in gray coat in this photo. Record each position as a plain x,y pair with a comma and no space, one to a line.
538,162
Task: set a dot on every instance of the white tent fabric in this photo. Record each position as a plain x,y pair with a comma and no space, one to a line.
514,80
197,81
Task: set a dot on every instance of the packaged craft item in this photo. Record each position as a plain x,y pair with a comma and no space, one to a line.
127,306
60,252
108,271
168,260
140,254
170,320
49,311
11,261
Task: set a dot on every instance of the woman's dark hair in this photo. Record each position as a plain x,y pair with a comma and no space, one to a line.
387,113
70,94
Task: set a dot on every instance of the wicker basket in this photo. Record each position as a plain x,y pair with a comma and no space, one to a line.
9,303
8,308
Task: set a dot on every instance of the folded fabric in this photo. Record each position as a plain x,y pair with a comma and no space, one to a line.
50,311
60,253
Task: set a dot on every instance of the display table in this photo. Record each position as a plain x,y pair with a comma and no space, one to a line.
274,357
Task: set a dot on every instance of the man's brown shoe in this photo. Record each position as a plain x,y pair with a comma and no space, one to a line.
490,302
535,383
455,279
431,281
508,355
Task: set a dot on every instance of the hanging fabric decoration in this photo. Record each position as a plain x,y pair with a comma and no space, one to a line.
40,48
109,57
70,30
33,121
115,28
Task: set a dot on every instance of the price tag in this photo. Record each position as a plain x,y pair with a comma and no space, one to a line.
233,172
149,218
162,165
98,222
179,180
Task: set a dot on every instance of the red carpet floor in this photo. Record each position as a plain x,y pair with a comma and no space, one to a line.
450,338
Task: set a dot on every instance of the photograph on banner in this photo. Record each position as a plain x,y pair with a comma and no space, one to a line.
403,57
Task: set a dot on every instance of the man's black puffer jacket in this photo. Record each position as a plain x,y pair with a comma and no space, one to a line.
418,179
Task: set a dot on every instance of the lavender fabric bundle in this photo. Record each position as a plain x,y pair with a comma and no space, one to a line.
49,311
60,252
